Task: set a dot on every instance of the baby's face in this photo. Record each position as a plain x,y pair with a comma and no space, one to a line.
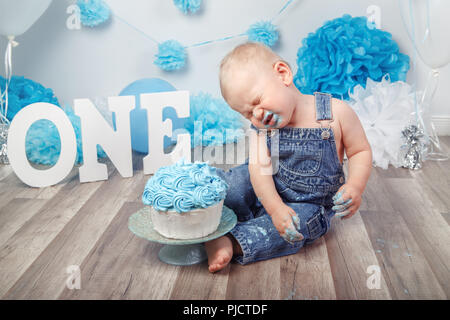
261,96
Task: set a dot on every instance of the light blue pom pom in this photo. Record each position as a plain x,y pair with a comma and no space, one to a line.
188,6
219,123
93,12
171,55
343,53
23,91
43,144
263,32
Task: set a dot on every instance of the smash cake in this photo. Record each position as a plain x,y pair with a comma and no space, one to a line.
185,200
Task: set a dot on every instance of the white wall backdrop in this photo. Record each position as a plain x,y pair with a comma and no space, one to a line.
100,62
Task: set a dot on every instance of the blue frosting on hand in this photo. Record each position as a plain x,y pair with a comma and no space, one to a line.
184,186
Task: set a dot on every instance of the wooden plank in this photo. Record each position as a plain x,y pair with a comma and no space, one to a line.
123,266
45,278
196,282
306,275
12,187
23,248
444,167
350,252
19,252
408,272
350,263
15,214
446,216
259,280
392,172
5,170
9,188
434,180
50,191
427,225
17,189
342,279
376,196
141,179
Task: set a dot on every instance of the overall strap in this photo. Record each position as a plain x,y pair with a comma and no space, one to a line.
323,112
323,106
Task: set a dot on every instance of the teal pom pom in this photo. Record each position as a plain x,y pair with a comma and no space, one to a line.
187,6
219,124
263,32
23,91
171,55
93,12
43,144
343,53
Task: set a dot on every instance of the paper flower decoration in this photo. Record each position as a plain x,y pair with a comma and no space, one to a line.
93,12
22,92
188,6
384,109
171,55
345,52
217,123
43,144
263,32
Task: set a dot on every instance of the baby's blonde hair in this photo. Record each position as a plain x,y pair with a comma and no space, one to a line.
249,54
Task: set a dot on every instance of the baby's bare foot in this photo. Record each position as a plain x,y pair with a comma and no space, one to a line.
220,252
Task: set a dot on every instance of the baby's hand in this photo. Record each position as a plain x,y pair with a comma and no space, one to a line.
286,221
346,201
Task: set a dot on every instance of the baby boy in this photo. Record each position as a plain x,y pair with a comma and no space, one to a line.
293,182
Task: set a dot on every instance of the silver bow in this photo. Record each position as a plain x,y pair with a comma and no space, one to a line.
413,148
3,146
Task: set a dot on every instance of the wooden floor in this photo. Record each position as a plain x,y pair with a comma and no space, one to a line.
402,228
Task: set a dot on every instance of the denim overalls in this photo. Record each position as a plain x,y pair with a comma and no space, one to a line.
309,174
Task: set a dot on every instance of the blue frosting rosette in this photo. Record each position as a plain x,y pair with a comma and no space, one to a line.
184,186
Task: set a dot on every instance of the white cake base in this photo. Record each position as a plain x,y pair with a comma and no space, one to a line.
197,223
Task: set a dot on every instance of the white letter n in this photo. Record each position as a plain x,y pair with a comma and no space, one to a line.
96,130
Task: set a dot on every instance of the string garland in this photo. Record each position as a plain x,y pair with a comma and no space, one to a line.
172,54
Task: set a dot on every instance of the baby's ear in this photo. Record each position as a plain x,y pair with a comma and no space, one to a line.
283,71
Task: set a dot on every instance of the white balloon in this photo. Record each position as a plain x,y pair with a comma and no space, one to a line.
428,25
17,16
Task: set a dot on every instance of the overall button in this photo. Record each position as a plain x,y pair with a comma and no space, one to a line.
325,134
341,179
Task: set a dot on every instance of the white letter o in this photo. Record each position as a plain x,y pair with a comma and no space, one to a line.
16,144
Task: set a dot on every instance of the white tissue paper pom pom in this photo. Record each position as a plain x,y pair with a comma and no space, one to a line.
384,109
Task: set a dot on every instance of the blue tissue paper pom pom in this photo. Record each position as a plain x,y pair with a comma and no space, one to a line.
219,124
23,91
93,12
263,32
343,53
171,55
43,144
186,6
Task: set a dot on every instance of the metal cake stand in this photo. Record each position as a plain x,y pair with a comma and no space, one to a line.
179,252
